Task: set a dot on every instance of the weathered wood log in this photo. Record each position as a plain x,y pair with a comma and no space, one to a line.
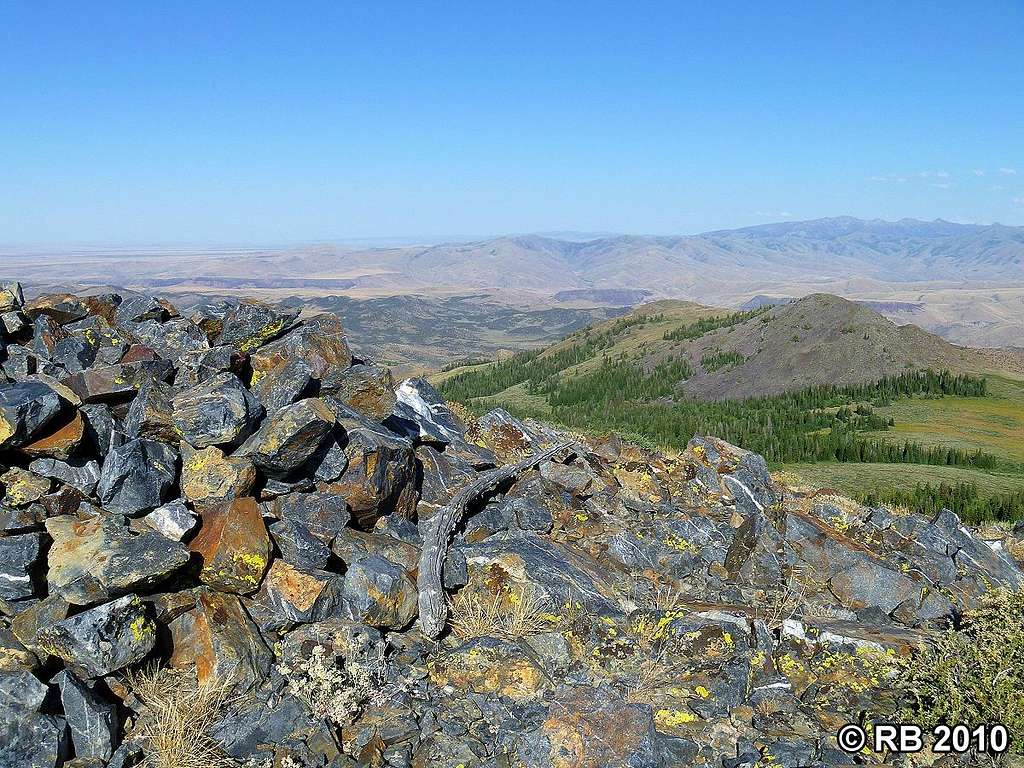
437,532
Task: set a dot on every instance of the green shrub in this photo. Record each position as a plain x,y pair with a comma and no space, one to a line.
973,674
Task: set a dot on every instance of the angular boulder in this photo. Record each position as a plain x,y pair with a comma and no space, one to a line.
379,593
290,437
219,640
174,520
252,324
18,557
103,639
234,546
209,474
220,411
26,408
319,342
151,414
137,476
92,719
97,559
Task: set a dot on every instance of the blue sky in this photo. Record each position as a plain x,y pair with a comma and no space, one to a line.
282,122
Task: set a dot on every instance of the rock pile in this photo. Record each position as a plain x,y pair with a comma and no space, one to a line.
212,527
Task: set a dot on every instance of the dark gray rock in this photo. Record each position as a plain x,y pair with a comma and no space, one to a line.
290,437
80,474
379,593
20,363
283,385
92,719
32,740
137,476
325,515
73,354
21,692
18,556
298,546
220,411
151,414
103,639
169,339
26,408
136,309
100,427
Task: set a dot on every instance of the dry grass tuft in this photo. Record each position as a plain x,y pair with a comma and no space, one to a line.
658,596
844,504
511,611
178,711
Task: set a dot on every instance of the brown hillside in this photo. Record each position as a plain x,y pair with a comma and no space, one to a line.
819,339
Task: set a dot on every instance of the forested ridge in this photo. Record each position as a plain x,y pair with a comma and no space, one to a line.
814,424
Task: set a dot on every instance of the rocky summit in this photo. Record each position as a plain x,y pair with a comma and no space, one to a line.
225,540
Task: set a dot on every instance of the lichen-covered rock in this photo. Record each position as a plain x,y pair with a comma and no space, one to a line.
22,487
491,666
209,474
252,324
219,411
319,342
283,385
99,558
379,593
26,408
234,546
103,639
290,437
11,297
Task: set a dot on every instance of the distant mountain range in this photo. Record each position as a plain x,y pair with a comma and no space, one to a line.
835,248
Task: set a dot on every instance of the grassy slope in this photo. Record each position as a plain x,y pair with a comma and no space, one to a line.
851,478
993,424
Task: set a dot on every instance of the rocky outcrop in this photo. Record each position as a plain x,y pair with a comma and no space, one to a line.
368,578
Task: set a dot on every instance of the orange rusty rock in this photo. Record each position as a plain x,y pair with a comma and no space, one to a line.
593,728
488,665
234,546
220,641
61,442
294,587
